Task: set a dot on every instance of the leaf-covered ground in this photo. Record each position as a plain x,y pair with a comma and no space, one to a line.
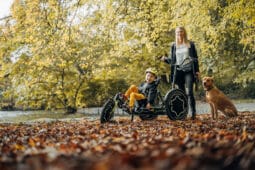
158,144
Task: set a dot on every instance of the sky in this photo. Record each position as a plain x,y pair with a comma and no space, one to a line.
5,7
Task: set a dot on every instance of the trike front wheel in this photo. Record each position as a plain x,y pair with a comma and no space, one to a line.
107,112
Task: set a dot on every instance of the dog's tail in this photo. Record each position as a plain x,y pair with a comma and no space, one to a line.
231,112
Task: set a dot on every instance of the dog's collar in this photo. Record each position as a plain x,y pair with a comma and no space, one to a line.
209,88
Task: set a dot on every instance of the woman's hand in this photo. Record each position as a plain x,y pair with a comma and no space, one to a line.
198,75
163,58
148,106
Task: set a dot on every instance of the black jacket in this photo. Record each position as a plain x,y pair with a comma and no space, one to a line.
149,90
172,58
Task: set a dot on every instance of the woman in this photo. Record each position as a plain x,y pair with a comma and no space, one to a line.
183,57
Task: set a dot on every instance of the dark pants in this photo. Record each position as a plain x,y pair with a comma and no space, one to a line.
185,80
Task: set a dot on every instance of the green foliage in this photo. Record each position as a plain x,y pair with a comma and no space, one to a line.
104,90
62,54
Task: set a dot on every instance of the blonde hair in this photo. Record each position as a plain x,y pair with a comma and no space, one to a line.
185,38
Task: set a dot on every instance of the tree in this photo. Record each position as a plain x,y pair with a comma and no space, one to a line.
240,18
57,62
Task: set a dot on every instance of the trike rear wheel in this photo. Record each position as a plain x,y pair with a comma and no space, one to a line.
176,104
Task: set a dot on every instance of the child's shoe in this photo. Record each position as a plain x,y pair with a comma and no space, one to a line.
123,97
131,109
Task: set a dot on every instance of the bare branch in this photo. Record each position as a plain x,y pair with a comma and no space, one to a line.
6,17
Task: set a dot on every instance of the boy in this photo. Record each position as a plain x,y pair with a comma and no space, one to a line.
146,92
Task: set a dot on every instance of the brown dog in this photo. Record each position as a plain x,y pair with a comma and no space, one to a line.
218,100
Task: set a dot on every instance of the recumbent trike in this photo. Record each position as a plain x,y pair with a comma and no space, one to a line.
174,104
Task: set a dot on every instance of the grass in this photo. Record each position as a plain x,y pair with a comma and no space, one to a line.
244,101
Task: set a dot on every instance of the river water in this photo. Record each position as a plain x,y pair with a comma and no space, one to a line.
201,107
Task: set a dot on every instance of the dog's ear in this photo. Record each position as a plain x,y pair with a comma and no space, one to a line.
205,78
212,79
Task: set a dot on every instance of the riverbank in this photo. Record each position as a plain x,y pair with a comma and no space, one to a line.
202,107
94,113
